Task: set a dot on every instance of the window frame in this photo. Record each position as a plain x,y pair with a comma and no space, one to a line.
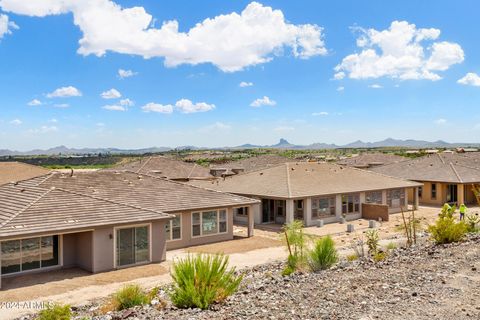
433,191
377,192
115,240
355,203
332,205
170,223
201,235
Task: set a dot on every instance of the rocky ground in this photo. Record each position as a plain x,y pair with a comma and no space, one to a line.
423,282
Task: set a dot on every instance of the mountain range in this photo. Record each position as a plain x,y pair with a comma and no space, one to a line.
282,144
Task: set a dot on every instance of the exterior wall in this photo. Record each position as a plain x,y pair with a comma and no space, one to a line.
427,192
374,211
469,195
187,240
103,249
159,249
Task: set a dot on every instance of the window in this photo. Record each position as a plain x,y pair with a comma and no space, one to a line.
173,228
209,222
243,211
132,245
374,197
280,207
396,198
420,192
324,206
29,254
434,191
351,203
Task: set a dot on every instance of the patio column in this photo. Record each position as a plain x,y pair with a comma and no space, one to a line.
289,211
307,212
251,213
415,198
460,194
338,206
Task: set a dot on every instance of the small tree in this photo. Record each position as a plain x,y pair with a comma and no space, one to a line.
410,227
296,242
446,229
372,241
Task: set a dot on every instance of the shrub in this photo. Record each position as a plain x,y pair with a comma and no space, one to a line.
55,312
372,241
323,255
352,257
129,296
447,230
391,246
296,242
379,256
202,280
472,220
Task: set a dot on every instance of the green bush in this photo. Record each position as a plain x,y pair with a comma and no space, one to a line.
55,312
372,241
447,230
352,257
129,296
323,255
472,220
296,241
202,280
379,256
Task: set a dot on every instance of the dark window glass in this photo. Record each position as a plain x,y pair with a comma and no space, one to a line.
11,256
49,251
30,254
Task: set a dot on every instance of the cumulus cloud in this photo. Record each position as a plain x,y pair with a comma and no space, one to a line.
114,107
244,84
64,92
6,26
402,51
187,106
470,79
35,102
265,101
158,108
122,74
127,102
229,41
16,122
111,94
322,113
375,86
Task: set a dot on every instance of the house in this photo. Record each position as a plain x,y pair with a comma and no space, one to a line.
445,177
315,191
368,160
106,220
247,165
16,171
168,168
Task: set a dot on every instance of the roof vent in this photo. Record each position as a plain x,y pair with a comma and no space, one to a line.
19,226
71,221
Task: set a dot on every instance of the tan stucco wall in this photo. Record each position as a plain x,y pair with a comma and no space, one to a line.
77,250
427,192
103,248
187,239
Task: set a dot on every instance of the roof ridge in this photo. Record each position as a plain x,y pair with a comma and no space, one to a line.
456,172
111,201
441,158
191,171
382,174
47,176
26,207
143,165
289,187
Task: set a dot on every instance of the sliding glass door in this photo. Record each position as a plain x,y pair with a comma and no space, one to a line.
132,245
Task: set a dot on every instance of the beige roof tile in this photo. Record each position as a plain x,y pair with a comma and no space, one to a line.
16,171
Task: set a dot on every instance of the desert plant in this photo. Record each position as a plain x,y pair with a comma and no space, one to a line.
129,296
55,312
472,220
391,246
410,227
323,255
296,242
446,229
352,257
379,256
202,280
372,241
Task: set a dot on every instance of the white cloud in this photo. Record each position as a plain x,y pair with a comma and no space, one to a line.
61,105
441,121
156,107
340,89
375,86
35,102
6,26
114,107
217,126
111,94
187,106
244,84
53,120
127,102
122,74
43,130
16,122
229,41
322,113
265,101
284,129
64,92
470,79
402,51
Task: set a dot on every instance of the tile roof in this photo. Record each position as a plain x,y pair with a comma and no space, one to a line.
450,168
366,160
304,179
255,163
167,168
16,171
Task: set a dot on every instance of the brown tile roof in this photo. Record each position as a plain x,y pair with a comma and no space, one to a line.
255,163
450,168
371,159
27,209
167,168
304,179
16,171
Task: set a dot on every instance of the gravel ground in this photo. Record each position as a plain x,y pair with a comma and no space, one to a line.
423,282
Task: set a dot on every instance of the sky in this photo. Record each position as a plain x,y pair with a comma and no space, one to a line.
135,74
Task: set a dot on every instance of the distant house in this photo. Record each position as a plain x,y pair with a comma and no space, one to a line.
247,165
445,177
165,167
105,220
17,171
368,160
314,191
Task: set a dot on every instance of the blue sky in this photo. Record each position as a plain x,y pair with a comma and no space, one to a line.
319,72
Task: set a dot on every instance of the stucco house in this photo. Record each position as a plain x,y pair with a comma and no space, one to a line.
101,221
315,191
444,177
